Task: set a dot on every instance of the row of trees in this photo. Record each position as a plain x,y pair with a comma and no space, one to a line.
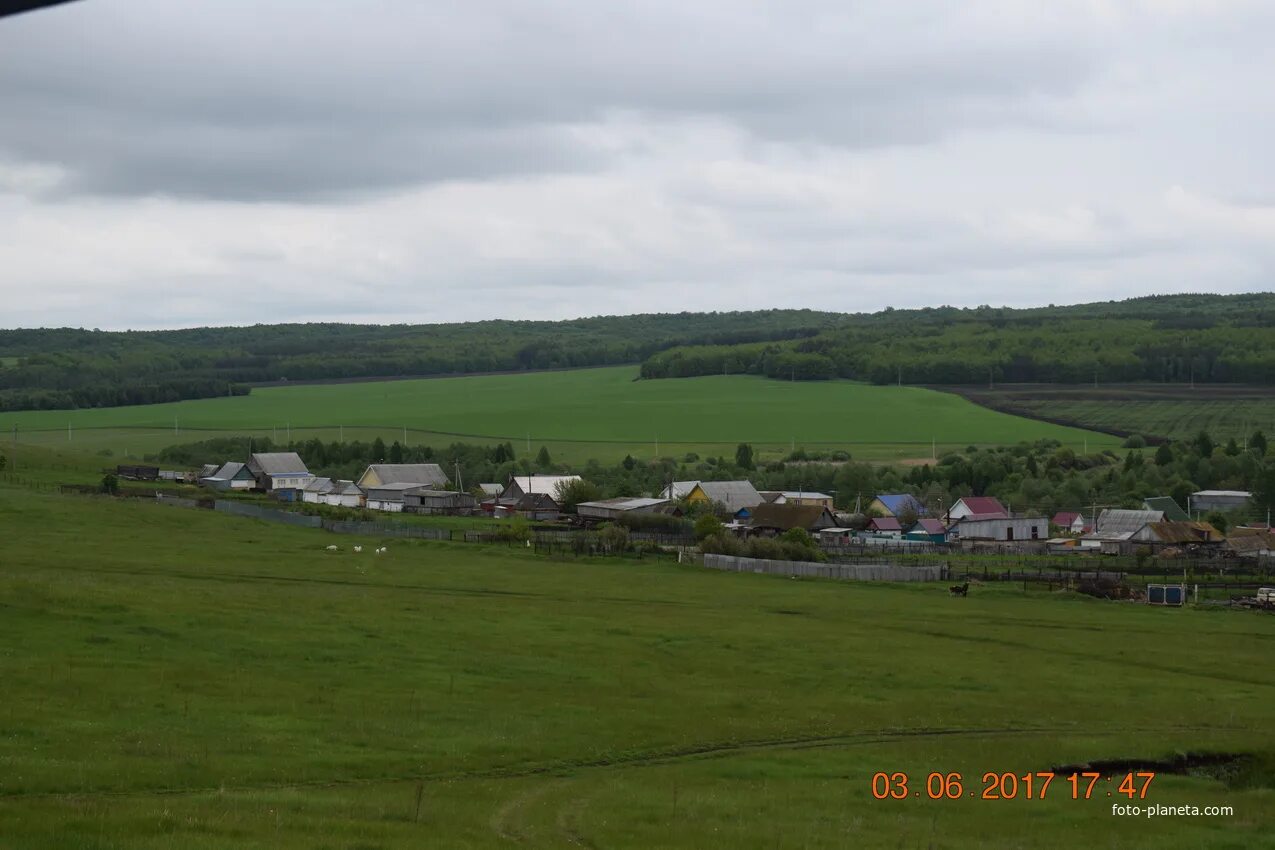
1221,339
66,368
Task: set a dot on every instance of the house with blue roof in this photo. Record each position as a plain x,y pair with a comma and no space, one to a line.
896,504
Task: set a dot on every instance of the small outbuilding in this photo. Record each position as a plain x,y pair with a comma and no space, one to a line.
606,510
423,500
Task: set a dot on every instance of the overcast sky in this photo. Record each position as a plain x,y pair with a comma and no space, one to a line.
229,162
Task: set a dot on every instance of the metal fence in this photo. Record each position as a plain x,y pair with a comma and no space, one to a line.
877,571
385,529
268,514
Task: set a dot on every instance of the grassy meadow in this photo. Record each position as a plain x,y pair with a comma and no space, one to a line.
1173,418
176,678
591,413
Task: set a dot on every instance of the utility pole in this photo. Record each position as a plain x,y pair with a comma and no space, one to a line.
404,436
900,380
174,425
341,432
68,432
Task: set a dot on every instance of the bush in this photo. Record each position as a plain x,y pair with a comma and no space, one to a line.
613,538
708,526
517,530
1135,441
110,484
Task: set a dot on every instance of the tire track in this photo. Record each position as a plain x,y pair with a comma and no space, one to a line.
649,758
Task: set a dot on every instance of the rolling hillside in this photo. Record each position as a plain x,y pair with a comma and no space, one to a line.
600,413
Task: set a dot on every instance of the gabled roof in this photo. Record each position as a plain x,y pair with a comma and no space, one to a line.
1171,509
784,517
279,463
491,489
1253,540
1065,519
733,494
885,523
984,517
679,489
623,503
1229,494
208,470
983,505
897,503
536,502
546,484
319,485
228,470
802,494
346,488
929,525
420,474
1118,524
1183,532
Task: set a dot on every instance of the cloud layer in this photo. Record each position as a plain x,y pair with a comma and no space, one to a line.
227,162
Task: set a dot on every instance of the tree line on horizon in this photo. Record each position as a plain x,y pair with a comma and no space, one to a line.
1179,338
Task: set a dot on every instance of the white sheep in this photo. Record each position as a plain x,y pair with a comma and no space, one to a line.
358,548
332,548
381,551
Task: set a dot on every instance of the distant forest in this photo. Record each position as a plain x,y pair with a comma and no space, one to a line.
63,368
1177,338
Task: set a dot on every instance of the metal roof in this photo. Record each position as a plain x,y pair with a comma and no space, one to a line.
1172,510
319,485
733,494
1233,494
279,463
420,474
1117,524
544,484
897,503
623,503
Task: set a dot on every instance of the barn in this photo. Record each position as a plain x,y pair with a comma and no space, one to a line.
438,502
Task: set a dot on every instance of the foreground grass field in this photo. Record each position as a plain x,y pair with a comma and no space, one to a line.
592,413
175,678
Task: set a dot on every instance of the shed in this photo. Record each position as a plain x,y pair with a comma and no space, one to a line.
423,500
1218,500
231,475
1002,529
887,525
1185,533
279,471
388,497
611,509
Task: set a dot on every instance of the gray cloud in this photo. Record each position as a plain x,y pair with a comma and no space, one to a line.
228,162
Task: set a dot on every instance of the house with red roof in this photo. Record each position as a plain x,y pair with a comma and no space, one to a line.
1072,522
987,507
885,525
928,530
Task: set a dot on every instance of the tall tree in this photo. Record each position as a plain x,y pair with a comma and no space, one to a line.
1163,455
396,452
1203,444
542,458
378,450
1257,443
744,456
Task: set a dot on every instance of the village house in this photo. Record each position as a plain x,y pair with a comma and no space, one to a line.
417,474
927,530
986,507
737,499
423,500
885,526
1071,522
533,506
896,505
547,485
231,475
282,473
1166,505
796,497
772,520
